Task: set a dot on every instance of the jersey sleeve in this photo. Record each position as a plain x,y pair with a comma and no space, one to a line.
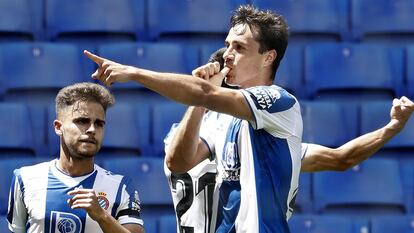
16,214
304,147
274,109
129,210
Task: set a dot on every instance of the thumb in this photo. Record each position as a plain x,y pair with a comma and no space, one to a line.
97,59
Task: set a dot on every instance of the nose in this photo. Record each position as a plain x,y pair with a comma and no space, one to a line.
228,55
91,129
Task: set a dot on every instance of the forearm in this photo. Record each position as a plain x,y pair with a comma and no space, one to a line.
109,224
183,152
361,148
182,88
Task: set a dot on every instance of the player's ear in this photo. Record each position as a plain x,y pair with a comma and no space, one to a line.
270,57
57,125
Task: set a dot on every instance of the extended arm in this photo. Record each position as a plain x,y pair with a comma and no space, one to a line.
320,158
185,89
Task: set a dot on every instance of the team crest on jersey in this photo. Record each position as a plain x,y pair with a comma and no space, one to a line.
136,203
265,97
102,200
62,222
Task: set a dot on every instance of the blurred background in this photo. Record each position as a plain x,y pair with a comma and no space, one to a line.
346,61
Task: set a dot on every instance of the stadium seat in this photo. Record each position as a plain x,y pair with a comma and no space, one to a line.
359,191
320,224
187,20
7,165
96,21
329,123
376,114
163,57
20,20
16,139
353,71
34,72
310,21
386,224
163,117
410,71
148,177
4,224
383,20
167,224
290,72
126,131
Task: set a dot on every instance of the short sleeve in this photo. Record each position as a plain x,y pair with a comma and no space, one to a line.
16,214
129,210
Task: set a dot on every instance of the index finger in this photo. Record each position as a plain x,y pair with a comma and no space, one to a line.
97,59
79,191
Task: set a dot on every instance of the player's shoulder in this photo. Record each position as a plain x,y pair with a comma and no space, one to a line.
271,98
34,169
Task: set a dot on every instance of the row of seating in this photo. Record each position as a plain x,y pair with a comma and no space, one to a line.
33,72
139,129
128,20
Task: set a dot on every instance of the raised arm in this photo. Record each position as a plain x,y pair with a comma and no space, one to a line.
185,89
320,158
184,148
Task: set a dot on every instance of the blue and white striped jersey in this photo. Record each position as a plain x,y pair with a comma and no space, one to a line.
258,162
38,200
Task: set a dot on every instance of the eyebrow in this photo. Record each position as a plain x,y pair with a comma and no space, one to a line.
87,118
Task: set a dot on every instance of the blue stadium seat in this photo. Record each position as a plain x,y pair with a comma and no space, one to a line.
376,114
148,176
410,71
290,72
163,57
313,20
186,20
16,139
386,224
34,72
126,131
383,20
329,123
19,20
163,116
4,224
167,224
320,224
359,191
6,169
353,71
96,21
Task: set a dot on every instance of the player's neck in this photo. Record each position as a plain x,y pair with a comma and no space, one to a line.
75,167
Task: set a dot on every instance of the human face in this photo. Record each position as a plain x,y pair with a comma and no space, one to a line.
81,127
243,58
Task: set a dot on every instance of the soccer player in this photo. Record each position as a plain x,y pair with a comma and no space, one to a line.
258,129
192,192
72,194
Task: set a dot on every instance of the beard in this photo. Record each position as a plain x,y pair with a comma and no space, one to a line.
79,151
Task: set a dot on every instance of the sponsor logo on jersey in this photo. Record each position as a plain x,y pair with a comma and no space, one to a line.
62,222
102,200
265,97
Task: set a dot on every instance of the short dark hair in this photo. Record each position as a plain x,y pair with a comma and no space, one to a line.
269,29
85,91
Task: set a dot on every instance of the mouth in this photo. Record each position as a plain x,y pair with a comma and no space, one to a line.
91,141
